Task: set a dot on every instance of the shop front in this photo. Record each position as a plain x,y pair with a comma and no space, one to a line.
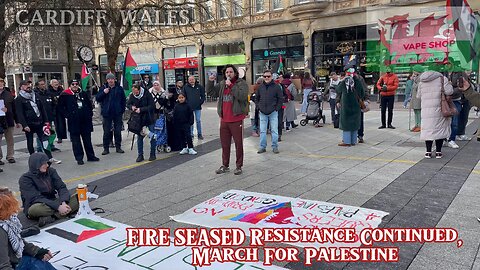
219,55
268,50
179,63
145,69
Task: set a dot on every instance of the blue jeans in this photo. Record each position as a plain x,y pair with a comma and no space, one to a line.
264,120
350,137
407,99
198,115
153,142
306,92
455,119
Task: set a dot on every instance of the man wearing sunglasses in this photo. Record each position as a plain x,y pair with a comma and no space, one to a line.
79,111
269,98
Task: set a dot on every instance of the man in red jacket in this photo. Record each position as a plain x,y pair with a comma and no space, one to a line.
387,85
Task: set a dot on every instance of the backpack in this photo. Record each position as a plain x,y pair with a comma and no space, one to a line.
135,123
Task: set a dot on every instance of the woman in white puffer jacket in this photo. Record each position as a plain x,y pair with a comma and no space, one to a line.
435,127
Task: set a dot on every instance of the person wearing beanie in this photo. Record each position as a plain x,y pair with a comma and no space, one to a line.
112,98
79,111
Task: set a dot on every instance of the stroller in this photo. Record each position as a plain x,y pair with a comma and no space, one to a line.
314,109
161,134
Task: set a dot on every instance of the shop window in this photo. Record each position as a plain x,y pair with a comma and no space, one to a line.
277,4
103,60
168,53
223,12
277,42
259,6
222,49
330,48
208,10
235,48
260,44
295,40
345,34
362,33
318,49
49,53
237,8
328,36
180,52
191,51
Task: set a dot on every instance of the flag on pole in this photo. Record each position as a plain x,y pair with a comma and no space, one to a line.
280,64
466,27
128,65
85,77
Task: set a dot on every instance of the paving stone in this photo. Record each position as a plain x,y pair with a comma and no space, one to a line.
429,263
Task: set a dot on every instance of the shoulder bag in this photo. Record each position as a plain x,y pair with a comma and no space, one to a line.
448,108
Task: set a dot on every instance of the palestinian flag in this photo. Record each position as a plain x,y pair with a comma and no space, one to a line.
467,28
128,66
85,77
95,228
280,64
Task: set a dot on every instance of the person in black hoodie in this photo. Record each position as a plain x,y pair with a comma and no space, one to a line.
269,101
78,109
183,119
55,90
141,102
47,99
32,116
44,195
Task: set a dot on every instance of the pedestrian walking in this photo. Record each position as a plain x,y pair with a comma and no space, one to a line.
232,108
78,110
435,126
112,99
290,112
183,120
270,99
195,94
416,103
141,103
33,118
387,85
8,122
307,85
350,92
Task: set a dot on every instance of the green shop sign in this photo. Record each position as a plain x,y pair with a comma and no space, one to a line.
238,59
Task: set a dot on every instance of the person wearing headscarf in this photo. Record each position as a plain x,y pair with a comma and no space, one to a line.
15,252
159,96
349,93
140,102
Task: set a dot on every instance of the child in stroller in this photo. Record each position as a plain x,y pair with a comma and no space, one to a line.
314,109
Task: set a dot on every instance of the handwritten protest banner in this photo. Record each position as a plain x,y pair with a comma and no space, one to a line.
98,243
245,210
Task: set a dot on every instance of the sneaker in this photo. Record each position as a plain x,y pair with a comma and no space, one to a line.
80,162
382,127
42,221
255,134
59,141
55,161
200,137
360,139
391,127
428,154
453,144
287,129
93,159
275,151
184,151
294,125
261,150
344,144
120,151
152,158
463,138
140,158
438,155
222,169
237,171
105,152
191,151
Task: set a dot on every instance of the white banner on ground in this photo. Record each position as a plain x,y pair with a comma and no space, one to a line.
98,243
245,210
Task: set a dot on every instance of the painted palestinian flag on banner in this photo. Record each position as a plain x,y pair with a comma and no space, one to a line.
96,228
128,66
467,29
85,77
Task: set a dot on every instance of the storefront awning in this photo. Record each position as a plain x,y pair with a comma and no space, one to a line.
146,69
238,59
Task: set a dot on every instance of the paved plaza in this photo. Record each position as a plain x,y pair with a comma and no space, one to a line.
387,172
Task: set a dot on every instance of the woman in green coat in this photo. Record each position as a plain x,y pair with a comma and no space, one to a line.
349,91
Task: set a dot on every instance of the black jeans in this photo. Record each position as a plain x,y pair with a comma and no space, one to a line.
117,131
39,131
280,122
438,145
333,107
361,130
387,102
77,147
185,135
463,117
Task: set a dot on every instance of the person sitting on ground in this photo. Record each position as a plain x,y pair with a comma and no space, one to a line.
16,253
44,195
183,119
